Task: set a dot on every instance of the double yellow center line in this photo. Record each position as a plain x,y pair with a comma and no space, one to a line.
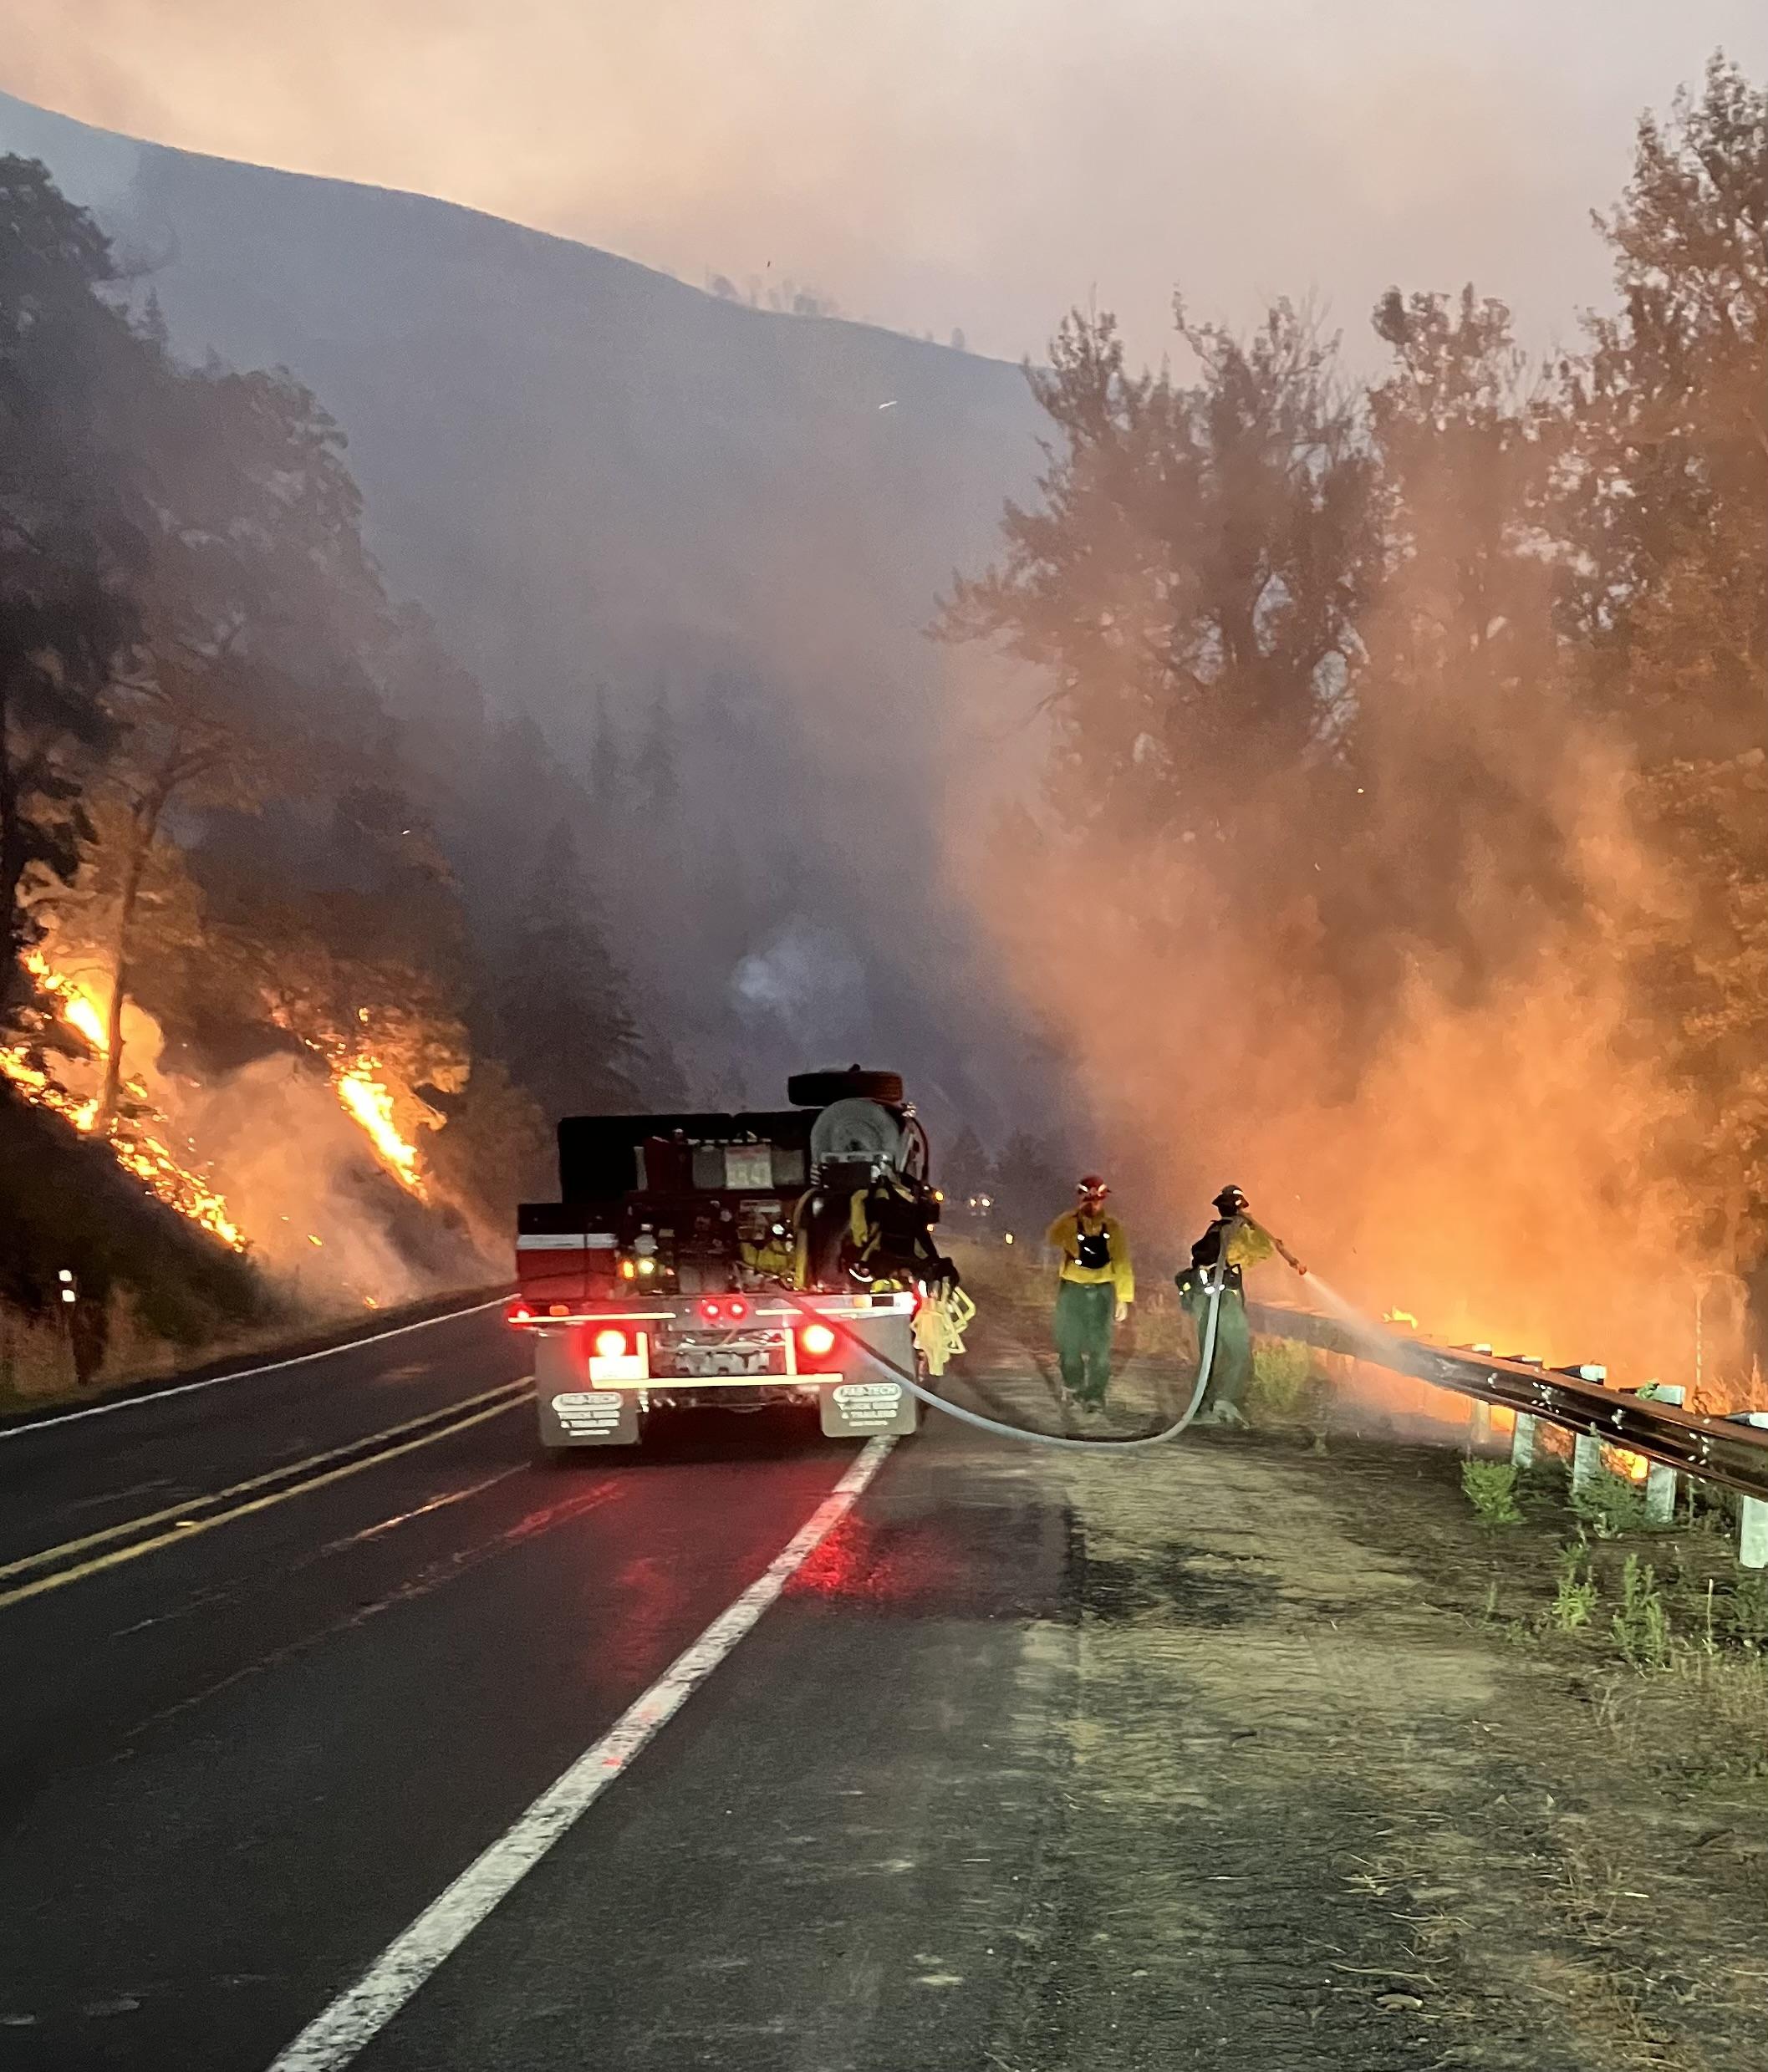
51,1567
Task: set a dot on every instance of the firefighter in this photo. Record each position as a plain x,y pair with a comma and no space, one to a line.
892,1235
1093,1292
1234,1242
768,1252
869,1228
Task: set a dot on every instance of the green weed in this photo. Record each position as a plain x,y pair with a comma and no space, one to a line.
1610,1505
1641,1626
1491,1486
1574,1598
1281,1371
1739,1619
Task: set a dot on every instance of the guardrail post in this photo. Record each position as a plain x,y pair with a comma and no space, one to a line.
1752,1527
1586,1461
1522,1441
1660,1479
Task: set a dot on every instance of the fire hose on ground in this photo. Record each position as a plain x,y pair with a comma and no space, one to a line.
1731,1451
1214,1281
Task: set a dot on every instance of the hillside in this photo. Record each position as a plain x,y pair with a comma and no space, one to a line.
598,479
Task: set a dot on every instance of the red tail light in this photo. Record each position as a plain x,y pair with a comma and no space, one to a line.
731,1309
610,1345
518,1312
711,1312
817,1340
736,1309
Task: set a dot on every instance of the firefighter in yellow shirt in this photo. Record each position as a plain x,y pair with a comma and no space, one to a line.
1094,1291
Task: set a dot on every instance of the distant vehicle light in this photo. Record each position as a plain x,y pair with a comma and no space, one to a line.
610,1345
647,1265
817,1340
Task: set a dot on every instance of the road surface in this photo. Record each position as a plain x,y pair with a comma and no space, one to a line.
1215,1756
245,1743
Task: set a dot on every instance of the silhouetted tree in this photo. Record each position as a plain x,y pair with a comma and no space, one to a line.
965,1168
1031,1188
70,515
566,1029
656,777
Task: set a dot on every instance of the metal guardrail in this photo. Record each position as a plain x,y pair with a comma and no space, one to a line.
1718,1449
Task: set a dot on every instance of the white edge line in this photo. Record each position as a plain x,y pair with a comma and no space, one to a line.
239,1373
335,2036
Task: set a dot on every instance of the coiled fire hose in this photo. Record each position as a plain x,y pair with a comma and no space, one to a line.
1215,1280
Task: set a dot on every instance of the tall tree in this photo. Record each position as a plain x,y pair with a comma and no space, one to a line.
608,771
1033,1190
656,774
966,1168
1666,477
1190,585
262,622
566,1031
1463,712
70,511
1664,489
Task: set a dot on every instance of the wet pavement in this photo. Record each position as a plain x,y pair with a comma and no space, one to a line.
1197,1757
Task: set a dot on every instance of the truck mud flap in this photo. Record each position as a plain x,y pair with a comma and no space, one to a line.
589,1416
862,1409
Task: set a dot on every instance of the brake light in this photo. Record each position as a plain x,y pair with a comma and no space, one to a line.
817,1340
518,1312
610,1345
736,1309
711,1311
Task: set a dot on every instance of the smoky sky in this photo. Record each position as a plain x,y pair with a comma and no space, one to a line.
934,164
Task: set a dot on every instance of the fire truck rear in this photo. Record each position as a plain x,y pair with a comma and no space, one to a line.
667,1275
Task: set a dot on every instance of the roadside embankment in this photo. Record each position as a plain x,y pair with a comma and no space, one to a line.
1351,1779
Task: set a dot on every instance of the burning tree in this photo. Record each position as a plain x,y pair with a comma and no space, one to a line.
70,538
1400,847
192,642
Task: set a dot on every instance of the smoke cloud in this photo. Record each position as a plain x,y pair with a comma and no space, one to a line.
1473,1162
931,165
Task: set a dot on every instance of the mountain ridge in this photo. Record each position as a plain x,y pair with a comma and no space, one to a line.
609,487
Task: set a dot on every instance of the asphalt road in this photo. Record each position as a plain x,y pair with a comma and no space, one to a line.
281,1657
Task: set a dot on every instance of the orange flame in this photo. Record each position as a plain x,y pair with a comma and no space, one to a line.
78,1007
132,1142
369,1102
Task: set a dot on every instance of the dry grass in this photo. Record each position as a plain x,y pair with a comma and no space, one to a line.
1702,1717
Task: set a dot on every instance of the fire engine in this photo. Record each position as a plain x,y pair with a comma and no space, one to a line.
695,1261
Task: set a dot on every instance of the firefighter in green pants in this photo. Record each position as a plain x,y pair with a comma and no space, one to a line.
1232,1242
1093,1294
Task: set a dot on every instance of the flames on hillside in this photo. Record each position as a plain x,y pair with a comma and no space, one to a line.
60,1067
135,1139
